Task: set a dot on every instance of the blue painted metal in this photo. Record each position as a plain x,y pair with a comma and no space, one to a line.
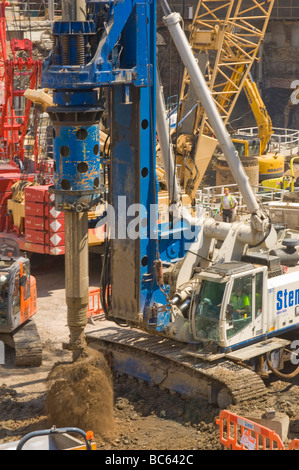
101,70
76,150
124,59
71,31
74,71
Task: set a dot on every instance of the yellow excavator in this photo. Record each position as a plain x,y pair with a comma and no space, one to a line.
271,164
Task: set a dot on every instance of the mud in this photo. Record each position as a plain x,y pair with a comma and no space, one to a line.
81,393
140,417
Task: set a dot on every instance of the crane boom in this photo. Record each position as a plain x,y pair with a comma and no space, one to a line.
172,21
225,37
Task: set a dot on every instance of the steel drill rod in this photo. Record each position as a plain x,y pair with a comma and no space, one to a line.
76,277
76,241
73,10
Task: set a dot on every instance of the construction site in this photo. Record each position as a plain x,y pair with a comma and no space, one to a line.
149,226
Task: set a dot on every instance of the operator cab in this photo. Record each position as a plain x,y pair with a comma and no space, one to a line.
14,284
247,146
228,308
9,248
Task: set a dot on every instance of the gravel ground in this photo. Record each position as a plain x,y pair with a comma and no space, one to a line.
143,417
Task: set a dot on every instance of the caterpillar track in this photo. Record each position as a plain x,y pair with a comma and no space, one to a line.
26,343
162,362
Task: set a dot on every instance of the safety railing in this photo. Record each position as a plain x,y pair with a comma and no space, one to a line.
238,433
33,10
209,198
284,141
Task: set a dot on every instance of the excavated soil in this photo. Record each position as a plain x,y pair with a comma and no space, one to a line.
124,413
73,390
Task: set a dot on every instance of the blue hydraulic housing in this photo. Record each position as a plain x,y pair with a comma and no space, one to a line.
115,49
88,55
76,150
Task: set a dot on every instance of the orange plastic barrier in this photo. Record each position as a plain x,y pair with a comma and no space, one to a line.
94,305
294,445
237,433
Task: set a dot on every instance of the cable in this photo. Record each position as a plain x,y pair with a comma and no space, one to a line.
279,374
269,230
105,285
104,279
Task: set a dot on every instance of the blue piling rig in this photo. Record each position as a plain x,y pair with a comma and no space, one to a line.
75,115
113,47
89,55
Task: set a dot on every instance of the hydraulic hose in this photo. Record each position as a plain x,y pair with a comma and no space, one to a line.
279,374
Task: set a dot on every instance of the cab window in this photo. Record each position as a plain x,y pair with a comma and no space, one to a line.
4,278
258,294
16,301
241,302
254,148
26,286
240,148
207,313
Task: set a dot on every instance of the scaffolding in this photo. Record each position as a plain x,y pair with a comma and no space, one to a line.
26,39
39,10
283,10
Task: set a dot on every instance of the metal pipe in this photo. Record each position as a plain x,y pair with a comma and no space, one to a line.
165,144
172,21
73,10
76,242
76,279
51,10
220,230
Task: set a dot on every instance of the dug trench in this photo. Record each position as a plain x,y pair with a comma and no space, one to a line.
124,413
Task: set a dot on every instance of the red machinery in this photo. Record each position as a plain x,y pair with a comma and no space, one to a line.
33,222
18,72
14,127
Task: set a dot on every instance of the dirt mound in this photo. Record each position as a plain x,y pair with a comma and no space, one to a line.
80,394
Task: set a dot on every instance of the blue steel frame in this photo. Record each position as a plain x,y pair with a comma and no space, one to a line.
101,71
131,79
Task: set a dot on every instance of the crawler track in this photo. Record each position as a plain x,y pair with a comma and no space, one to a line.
161,361
27,345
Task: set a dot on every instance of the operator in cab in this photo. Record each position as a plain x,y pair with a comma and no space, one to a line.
241,302
228,204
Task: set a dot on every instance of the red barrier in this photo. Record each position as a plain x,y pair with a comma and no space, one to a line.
94,305
294,445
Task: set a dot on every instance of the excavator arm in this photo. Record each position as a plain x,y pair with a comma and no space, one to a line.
259,110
